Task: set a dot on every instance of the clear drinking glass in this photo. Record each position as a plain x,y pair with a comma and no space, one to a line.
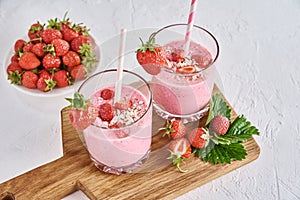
185,95
121,149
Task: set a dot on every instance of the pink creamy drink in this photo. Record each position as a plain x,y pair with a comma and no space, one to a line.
184,93
124,140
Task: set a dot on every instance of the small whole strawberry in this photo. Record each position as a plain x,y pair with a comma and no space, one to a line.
14,72
151,57
19,44
28,47
50,61
196,137
82,112
107,94
77,42
35,31
50,34
61,78
29,80
39,49
69,34
29,61
14,58
78,72
219,124
45,84
61,46
106,112
175,129
180,149
71,59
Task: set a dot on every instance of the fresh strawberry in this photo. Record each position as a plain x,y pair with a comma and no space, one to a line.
29,80
61,46
180,149
28,47
177,55
174,128
123,104
19,44
196,137
186,69
50,34
39,49
71,59
61,78
78,72
82,113
44,73
50,61
77,42
151,57
14,73
106,112
35,32
29,61
219,124
14,58
45,83
107,94
69,34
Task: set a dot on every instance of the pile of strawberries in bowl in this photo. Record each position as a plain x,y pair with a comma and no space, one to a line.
53,55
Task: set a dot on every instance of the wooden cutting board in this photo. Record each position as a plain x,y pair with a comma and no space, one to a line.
157,179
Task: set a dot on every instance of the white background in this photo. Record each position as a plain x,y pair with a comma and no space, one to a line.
258,65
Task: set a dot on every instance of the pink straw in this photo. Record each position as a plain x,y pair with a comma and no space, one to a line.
190,26
118,84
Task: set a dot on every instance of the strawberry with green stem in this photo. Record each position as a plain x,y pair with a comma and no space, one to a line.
151,56
82,112
180,150
174,128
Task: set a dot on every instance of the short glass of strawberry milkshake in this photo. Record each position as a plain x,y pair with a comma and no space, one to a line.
183,78
119,140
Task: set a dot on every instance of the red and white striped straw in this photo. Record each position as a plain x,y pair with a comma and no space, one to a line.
190,25
118,84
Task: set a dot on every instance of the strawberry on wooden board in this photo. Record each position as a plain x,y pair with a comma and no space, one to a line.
35,32
19,44
71,59
14,72
197,137
78,72
106,112
50,61
29,61
174,128
151,57
50,34
29,80
82,112
61,78
219,124
180,149
77,42
39,49
61,46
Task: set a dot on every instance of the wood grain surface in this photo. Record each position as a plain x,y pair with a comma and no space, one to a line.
157,179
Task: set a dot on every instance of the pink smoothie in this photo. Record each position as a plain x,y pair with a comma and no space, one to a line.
123,146
184,94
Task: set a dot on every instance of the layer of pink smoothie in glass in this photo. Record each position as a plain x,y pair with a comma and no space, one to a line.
118,147
183,94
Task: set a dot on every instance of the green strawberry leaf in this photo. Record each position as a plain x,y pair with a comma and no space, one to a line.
240,130
218,107
225,153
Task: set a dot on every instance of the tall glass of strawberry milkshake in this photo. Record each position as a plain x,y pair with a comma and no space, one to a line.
119,140
183,87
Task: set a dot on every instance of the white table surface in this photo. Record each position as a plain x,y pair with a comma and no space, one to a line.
258,66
